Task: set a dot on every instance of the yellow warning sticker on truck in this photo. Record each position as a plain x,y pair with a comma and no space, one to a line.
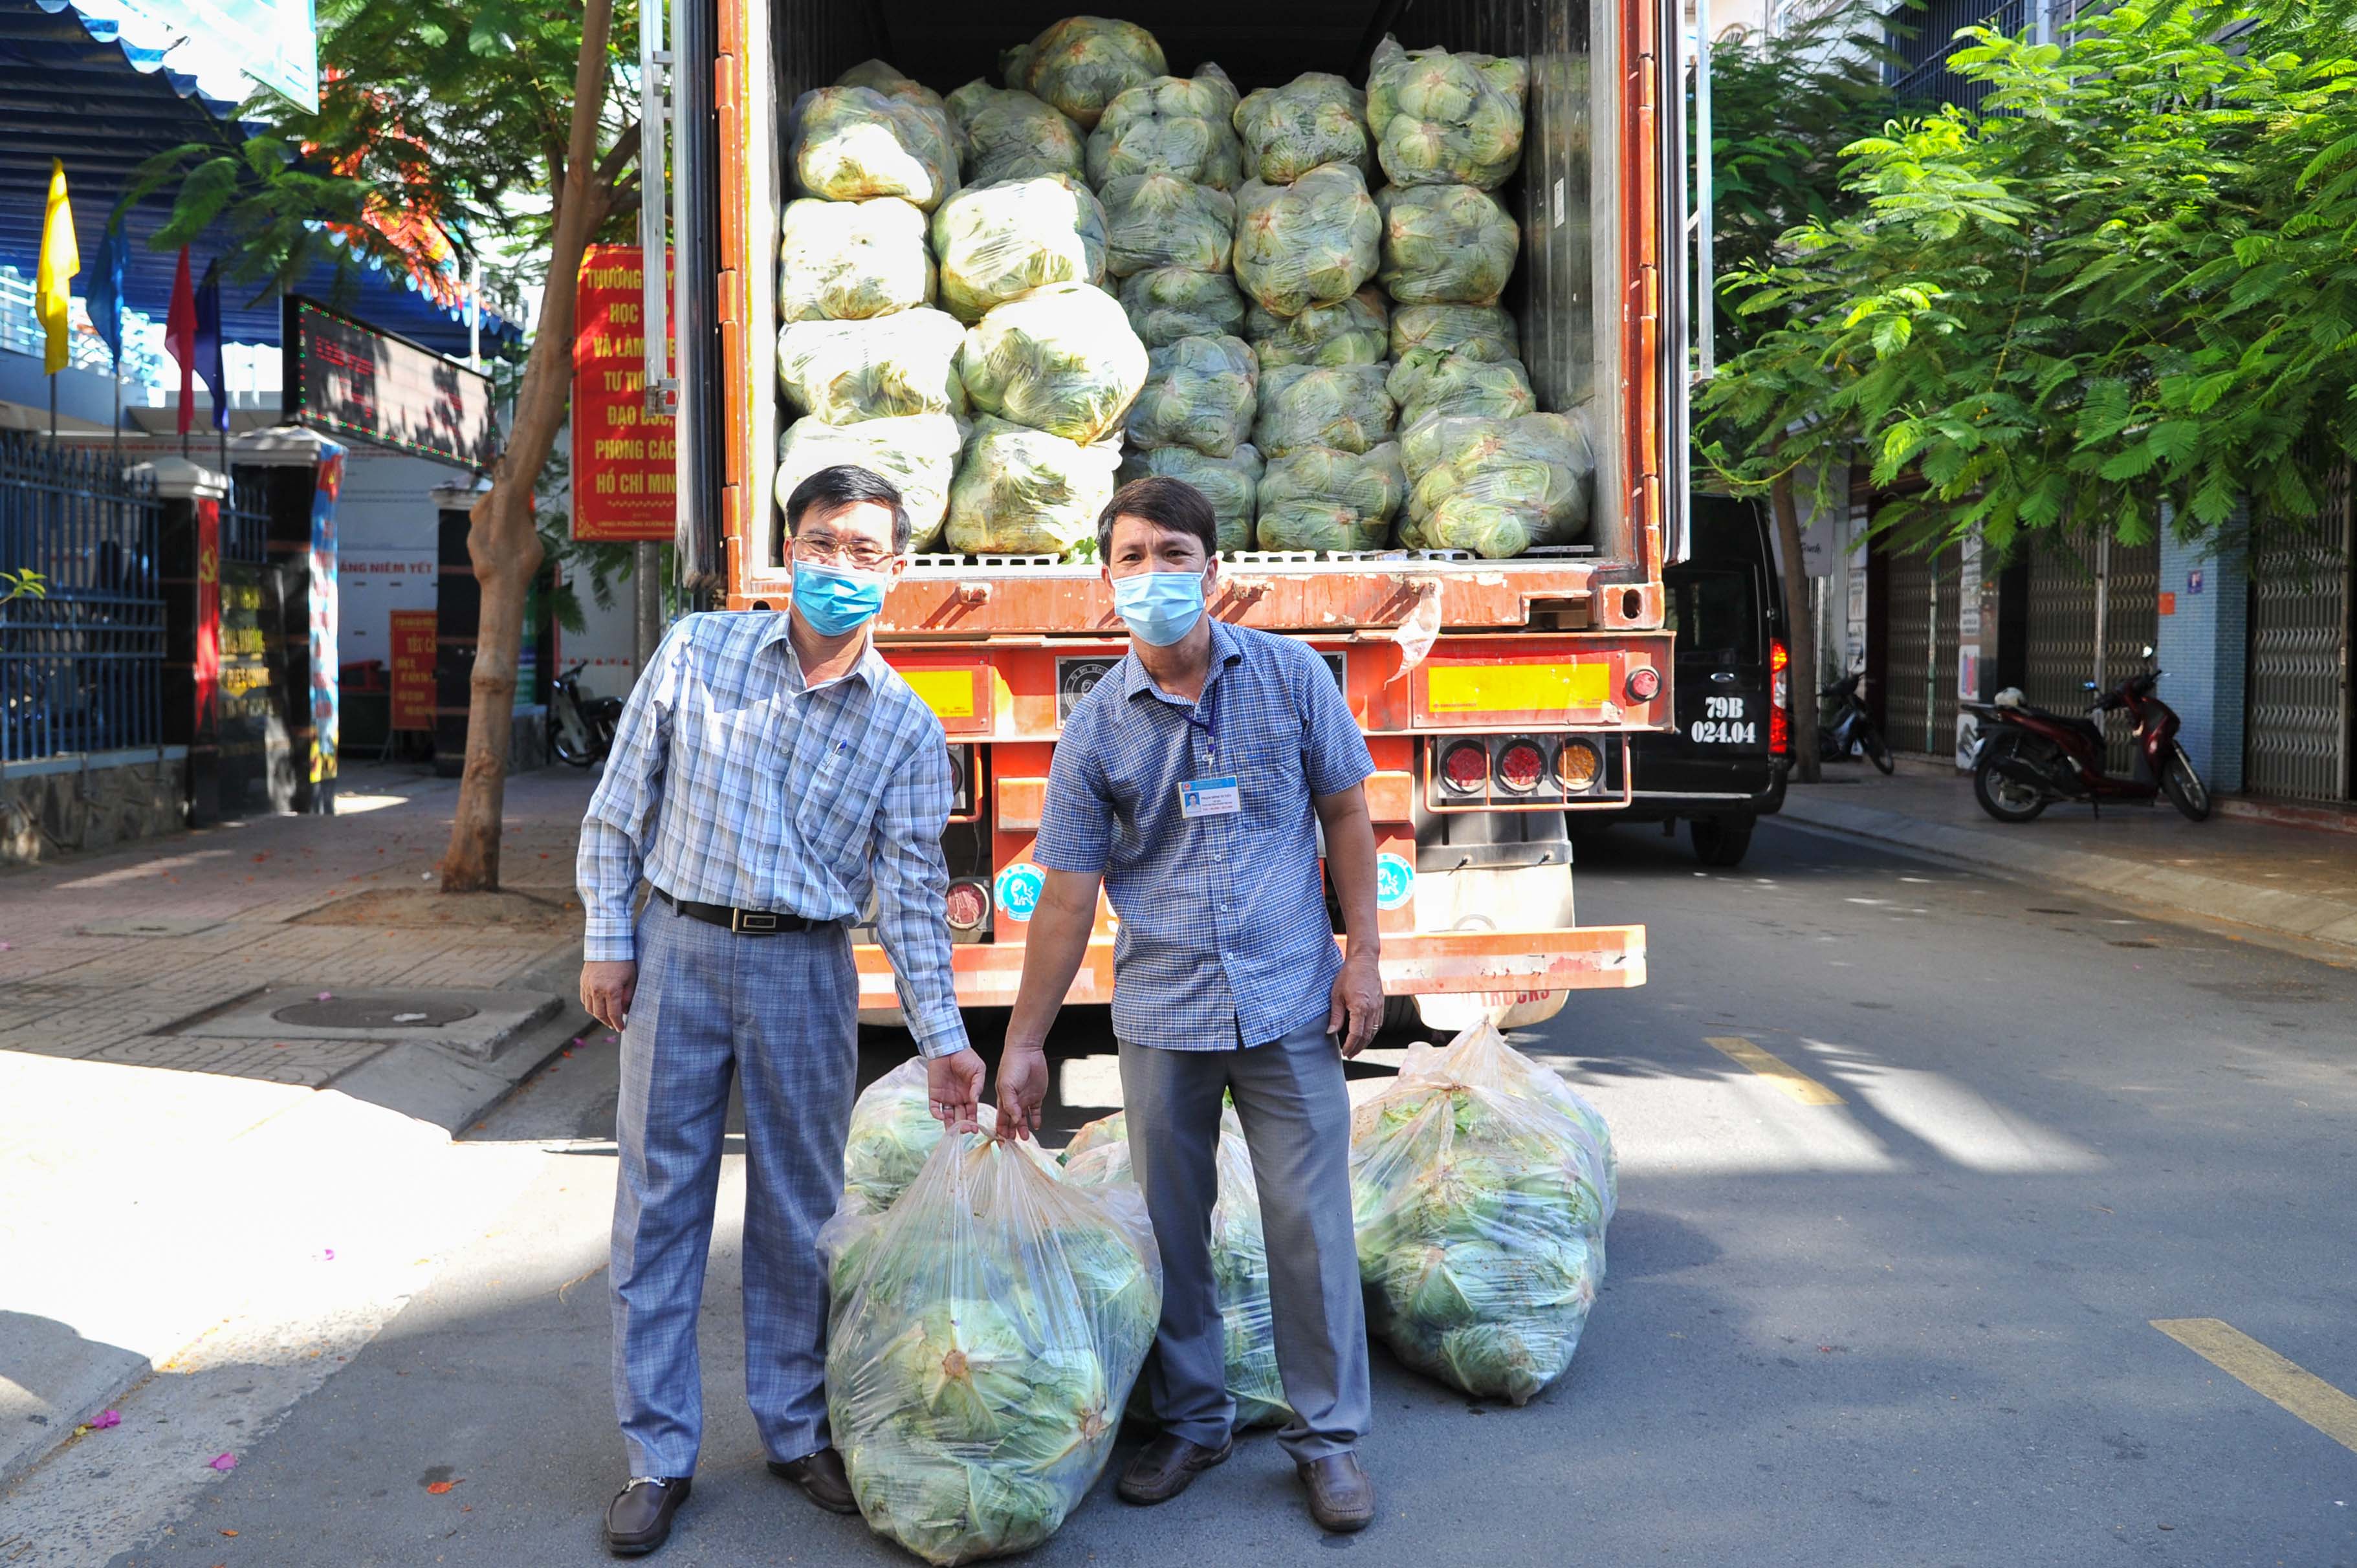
1517,688
949,692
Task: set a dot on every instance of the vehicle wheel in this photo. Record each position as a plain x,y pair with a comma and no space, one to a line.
2184,787
1400,1017
2006,799
1720,840
567,752
1875,752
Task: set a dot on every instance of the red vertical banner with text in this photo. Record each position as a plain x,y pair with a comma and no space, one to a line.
414,642
209,616
624,477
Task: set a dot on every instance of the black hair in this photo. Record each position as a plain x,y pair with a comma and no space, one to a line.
847,483
1165,503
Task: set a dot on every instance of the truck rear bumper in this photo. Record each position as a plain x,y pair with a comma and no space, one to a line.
1581,958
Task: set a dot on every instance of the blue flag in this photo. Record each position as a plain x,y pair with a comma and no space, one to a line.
208,345
106,292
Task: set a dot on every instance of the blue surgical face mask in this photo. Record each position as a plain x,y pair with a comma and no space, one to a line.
836,602
1160,608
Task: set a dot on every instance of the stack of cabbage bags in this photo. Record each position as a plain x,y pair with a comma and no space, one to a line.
1481,1188
1099,1156
986,1331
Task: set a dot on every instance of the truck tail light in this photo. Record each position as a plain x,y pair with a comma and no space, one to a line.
1521,765
1465,768
1577,767
1780,698
1644,683
967,906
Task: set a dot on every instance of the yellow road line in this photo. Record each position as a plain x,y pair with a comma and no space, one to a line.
2288,1383
1775,1069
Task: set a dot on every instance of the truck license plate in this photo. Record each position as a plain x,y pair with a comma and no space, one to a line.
1724,723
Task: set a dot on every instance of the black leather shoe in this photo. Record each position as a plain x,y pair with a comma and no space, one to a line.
1341,1496
1167,1466
639,1518
821,1477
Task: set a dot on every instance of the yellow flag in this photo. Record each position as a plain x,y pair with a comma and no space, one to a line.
53,287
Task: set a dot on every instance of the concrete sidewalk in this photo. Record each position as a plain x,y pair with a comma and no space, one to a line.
2282,881
229,1057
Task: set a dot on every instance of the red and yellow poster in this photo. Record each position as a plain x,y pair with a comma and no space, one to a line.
412,669
623,474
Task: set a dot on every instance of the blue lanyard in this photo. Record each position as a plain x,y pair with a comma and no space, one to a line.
1210,723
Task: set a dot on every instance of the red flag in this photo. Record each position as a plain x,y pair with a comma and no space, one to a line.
180,337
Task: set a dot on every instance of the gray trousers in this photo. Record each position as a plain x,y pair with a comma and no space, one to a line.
1296,1112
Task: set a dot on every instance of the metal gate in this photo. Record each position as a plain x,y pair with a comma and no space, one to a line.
1919,690
2297,743
2060,641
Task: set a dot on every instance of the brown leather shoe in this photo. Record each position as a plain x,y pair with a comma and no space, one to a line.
1341,1496
821,1477
639,1518
1167,1466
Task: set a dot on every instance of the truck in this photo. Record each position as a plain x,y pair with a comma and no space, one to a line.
1498,697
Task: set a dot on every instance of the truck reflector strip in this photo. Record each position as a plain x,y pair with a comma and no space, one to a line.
1456,689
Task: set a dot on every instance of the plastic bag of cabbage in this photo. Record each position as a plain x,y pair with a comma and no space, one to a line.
1316,118
1099,1156
1165,304
1025,492
1480,1189
1313,242
984,1333
996,242
1232,484
853,143
1342,406
1082,63
844,372
1177,125
1496,487
885,78
1061,359
1354,331
1444,244
1426,384
1446,119
918,453
1005,134
1315,498
1161,220
1483,331
1198,393
893,1133
848,260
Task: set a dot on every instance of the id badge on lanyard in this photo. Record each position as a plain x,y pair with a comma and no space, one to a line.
1212,796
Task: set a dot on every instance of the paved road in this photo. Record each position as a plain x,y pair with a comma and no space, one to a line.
1910,1327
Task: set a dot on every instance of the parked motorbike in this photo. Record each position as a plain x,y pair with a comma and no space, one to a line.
1843,727
2029,758
580,729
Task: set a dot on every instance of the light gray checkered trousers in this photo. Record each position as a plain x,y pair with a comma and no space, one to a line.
780,1014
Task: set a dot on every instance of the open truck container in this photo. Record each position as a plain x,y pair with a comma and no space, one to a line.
1495,695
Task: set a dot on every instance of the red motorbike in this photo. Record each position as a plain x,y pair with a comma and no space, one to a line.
2029,758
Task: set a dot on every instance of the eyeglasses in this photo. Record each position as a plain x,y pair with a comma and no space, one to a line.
821,550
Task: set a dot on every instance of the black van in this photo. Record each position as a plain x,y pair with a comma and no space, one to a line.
1725,767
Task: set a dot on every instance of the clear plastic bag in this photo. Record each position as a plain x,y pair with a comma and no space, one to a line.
1313,242
1354,331
1425,385
996,242
1082,63
1177,125
1198,393
853,143
1160,220
1232,484
884,78
918,453
1446,244
1342,406
1316,118
1315,498
846,261
1496,487
844,372
1061,359
1024,492
1482,1186
1238,1257
1003,132
984,1334
1482,331
1165,304
1446,119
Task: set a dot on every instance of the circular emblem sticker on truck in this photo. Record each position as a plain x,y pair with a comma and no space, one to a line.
1019,889
1394,880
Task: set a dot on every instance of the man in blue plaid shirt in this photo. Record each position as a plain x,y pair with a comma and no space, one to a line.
770,772
1192,783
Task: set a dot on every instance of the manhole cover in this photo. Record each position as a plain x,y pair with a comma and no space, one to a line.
373,1013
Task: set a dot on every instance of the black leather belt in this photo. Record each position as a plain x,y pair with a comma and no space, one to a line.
744,922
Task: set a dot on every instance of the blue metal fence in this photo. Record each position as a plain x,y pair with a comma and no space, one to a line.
82,669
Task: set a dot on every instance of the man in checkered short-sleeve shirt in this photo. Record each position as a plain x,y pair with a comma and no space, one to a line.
1192,783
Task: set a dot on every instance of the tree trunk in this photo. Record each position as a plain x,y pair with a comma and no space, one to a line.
1800,633
501,539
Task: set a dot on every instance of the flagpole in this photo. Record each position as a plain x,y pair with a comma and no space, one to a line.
53,408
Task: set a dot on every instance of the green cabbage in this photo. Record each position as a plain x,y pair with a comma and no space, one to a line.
884,78
1482,331
1446,119
1198,393
1354,331
1426,384
1160,220
1061,359
851,260
999,241
1004,134
1480,1195
844,372
1232,484
1174,126
1082,63
852,143
1315,498
1313,242
1024,492
1342,406
1316,118
983,1336
918,453
1496,487
1165,304
1446,244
